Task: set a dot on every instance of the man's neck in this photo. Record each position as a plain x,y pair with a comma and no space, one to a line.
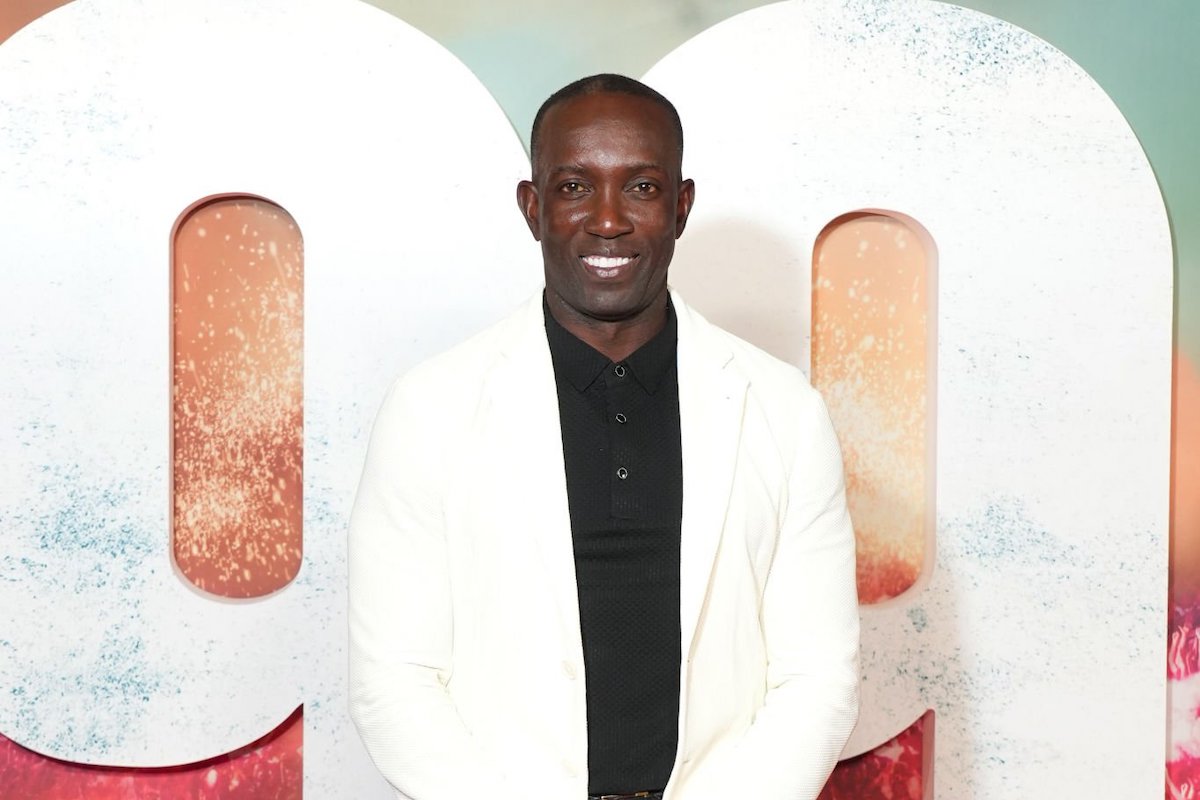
615,339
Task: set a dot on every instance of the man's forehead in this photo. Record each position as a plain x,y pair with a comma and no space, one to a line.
593,125
598,107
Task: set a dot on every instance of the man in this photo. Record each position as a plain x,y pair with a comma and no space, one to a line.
602,548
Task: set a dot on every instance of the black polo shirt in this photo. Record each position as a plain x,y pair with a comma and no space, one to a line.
624,469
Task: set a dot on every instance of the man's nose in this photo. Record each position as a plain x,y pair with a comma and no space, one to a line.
609,215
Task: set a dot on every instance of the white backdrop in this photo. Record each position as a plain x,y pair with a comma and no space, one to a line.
1038,638
115,116
1041,651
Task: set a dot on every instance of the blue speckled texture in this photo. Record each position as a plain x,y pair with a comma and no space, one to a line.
107,655
1036,632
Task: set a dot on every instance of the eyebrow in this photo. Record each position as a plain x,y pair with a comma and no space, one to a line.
565,168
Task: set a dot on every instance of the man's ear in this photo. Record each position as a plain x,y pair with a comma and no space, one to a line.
527,201
683,206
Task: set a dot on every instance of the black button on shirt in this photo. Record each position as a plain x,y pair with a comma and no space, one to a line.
624,469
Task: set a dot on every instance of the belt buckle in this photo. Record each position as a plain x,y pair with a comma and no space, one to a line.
630,796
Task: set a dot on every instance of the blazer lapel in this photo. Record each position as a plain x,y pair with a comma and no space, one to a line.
712,397
524,427
524,424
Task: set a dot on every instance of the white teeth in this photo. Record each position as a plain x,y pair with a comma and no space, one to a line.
605,262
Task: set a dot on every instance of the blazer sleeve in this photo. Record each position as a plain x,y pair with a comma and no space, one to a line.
400,616
810,627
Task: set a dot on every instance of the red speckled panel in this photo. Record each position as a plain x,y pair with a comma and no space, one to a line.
1183,643
892,771
269,769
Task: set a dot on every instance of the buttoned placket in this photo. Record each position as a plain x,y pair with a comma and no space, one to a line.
620,386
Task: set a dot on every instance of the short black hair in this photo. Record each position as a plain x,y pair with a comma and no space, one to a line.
604,83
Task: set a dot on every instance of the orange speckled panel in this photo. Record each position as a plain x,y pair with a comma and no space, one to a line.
872,359
16,14
238,397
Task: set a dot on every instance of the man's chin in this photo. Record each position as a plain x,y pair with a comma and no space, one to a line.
609,308
606,304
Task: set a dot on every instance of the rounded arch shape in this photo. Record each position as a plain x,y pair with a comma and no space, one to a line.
237,396
874,359
1049,226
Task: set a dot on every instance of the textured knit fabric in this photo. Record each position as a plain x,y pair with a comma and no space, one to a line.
624,470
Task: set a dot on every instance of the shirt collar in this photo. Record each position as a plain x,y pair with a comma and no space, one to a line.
581,364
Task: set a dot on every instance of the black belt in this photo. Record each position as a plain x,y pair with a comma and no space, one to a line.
657,795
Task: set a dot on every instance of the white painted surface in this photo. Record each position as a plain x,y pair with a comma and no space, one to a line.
400,170
1038,639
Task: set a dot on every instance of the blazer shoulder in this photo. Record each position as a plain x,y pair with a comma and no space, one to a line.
449,385
466,363
781,391
761,369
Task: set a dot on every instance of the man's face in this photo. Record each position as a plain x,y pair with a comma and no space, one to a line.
607,203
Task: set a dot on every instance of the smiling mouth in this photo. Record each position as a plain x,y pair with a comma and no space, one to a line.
607,266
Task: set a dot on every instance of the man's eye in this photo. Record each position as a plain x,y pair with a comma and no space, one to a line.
645,187
572,187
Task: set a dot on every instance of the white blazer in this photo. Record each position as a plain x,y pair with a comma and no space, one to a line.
466,663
